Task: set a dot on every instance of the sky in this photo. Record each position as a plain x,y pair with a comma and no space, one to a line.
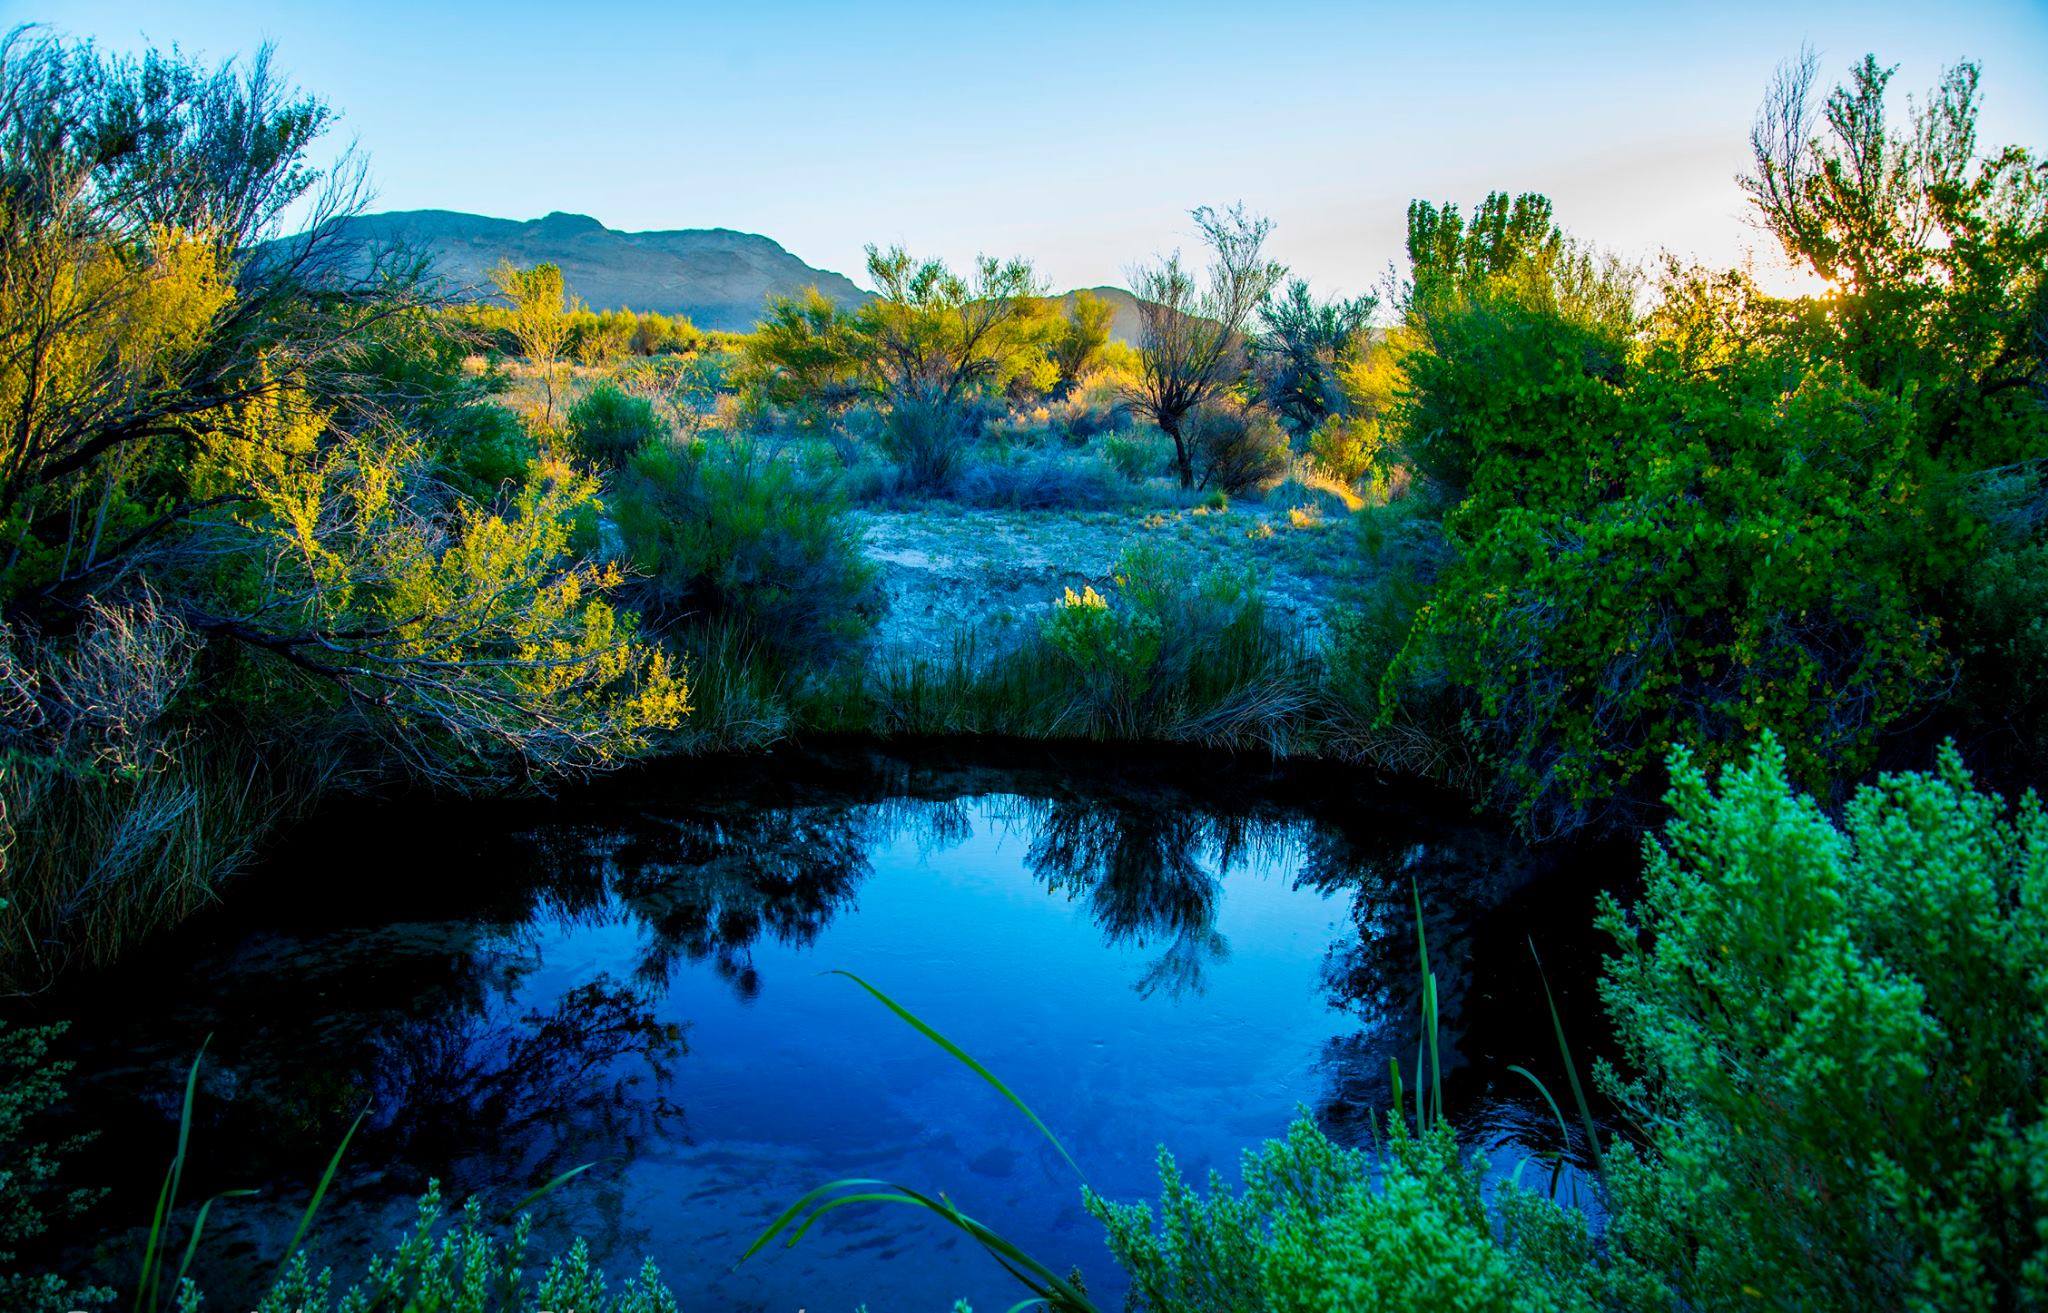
1080,135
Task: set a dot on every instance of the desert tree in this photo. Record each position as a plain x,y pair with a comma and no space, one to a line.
541,315
1303,347
1192,327
1936,251
805,358
932,340
937,337
1077,339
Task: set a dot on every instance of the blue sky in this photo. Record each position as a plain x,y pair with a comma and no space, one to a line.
1079,134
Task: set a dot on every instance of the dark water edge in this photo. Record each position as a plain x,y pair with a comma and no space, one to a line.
1152,946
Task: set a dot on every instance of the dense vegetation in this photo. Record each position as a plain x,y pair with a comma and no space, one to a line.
272,522
1833,1039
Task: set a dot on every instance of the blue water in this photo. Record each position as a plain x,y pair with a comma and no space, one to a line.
1183,957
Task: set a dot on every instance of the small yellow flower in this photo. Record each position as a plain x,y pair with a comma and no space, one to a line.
1087,598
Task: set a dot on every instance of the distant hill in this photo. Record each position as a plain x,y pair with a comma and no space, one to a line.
719,278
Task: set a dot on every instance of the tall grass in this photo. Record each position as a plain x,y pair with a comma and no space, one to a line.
100,858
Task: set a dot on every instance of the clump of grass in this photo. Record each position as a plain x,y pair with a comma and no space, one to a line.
1137,454
1166,654
101,857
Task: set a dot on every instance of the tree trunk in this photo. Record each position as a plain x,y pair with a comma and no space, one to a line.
1183,459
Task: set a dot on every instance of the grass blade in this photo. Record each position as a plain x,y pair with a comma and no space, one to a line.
199,1226
789,1214
548,1189
167,1197
1571,1070
961,1056
870,1197
1563,1132
320,1191
1429,1017
1046,1286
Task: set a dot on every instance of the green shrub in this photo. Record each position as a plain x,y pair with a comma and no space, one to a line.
1347,449
31,1202
483,448
1078,421
1319,1229
1836,1037
927,441
1038,482
721,531
2006,644
1834,1047
608,425
1236,448
1742,551
1172,653
465,1266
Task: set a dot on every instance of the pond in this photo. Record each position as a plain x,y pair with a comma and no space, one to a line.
1178,950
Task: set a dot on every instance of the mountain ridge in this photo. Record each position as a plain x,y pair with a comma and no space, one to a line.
720,277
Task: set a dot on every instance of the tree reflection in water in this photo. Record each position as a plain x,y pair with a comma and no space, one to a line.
534,1096
1149,870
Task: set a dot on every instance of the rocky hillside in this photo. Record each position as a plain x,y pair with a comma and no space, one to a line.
719,278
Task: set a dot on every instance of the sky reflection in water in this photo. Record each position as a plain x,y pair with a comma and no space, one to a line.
1167,958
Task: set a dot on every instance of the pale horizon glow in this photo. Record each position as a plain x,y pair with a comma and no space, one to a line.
1079,136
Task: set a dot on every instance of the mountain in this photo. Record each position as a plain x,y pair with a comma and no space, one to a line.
719,278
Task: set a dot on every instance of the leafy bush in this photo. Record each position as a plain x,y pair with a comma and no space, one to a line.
484,448
722,531
928,442
1316,494
1346,449
1835,1042
1737,512
1236,448
1836,1034
1319,1228
1079,420
1172,653
2005,609
464,1266
1735,552
609,424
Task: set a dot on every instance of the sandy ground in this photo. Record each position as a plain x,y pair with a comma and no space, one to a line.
948,569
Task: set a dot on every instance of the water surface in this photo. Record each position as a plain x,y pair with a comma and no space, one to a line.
1182,952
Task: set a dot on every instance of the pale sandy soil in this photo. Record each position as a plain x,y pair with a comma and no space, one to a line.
948,569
